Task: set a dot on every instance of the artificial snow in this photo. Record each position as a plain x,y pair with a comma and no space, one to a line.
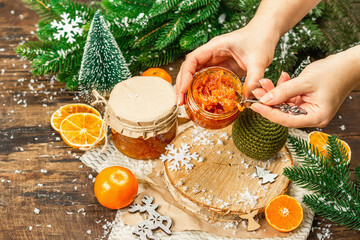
36,211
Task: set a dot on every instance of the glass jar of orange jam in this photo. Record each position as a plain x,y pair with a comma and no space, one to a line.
141,148
211,101
142,114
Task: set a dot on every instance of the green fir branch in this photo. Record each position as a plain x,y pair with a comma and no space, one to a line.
335,197
201,15
189,5
58,60
152,58
162,6
194,38
149,32
149,37
42,8
343,212
357,176
30,50
171,32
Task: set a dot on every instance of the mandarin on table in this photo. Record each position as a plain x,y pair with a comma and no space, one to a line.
59,115
115,187
284,213
81,130
319,139
158,72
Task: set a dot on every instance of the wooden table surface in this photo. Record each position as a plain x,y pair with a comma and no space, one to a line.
39,171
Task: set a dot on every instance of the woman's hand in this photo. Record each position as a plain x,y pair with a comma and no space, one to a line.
242,51
247,51
320,89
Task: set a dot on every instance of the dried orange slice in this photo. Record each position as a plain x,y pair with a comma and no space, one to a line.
80,130
59,115
284,213
319,139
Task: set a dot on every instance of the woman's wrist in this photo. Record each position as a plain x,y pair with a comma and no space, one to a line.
269,31
349,60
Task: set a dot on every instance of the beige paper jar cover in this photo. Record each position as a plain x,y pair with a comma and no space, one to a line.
142,107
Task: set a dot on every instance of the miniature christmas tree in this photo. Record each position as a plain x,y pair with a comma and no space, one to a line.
103,64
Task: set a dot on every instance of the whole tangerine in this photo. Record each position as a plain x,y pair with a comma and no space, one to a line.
115,187
158,72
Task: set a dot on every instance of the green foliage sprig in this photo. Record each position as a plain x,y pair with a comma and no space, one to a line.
152,33
334,196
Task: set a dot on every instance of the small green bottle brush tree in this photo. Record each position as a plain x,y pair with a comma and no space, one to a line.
151,33
103,64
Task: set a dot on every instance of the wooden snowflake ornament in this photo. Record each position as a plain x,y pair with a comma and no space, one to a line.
145,229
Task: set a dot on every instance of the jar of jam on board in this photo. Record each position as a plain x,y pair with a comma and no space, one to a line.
143,116
211,100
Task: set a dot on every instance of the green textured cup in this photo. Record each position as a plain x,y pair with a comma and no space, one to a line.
257,137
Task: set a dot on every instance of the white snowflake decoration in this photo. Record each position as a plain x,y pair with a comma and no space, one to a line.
265,175
67,26
179,157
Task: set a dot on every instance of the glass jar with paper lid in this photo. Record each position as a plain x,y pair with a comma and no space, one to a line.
142,113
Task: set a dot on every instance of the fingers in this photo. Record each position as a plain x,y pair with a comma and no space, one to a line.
184,77
254,74
285,91
284,77
258,92
285,119
266,85
193,62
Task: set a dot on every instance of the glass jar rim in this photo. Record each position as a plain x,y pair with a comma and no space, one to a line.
208,114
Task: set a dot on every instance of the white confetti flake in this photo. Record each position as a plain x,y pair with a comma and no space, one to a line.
43,170
88,231
266,175
221,18
30,228
36,210
178,157
67,27
342,127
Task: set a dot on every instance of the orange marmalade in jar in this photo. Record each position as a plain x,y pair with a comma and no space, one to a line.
211,100
142,114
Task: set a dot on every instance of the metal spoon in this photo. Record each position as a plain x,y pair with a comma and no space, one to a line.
284,107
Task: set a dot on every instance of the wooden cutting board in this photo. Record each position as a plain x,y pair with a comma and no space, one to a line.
224,185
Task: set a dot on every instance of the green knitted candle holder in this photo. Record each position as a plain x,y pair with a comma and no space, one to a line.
257,137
